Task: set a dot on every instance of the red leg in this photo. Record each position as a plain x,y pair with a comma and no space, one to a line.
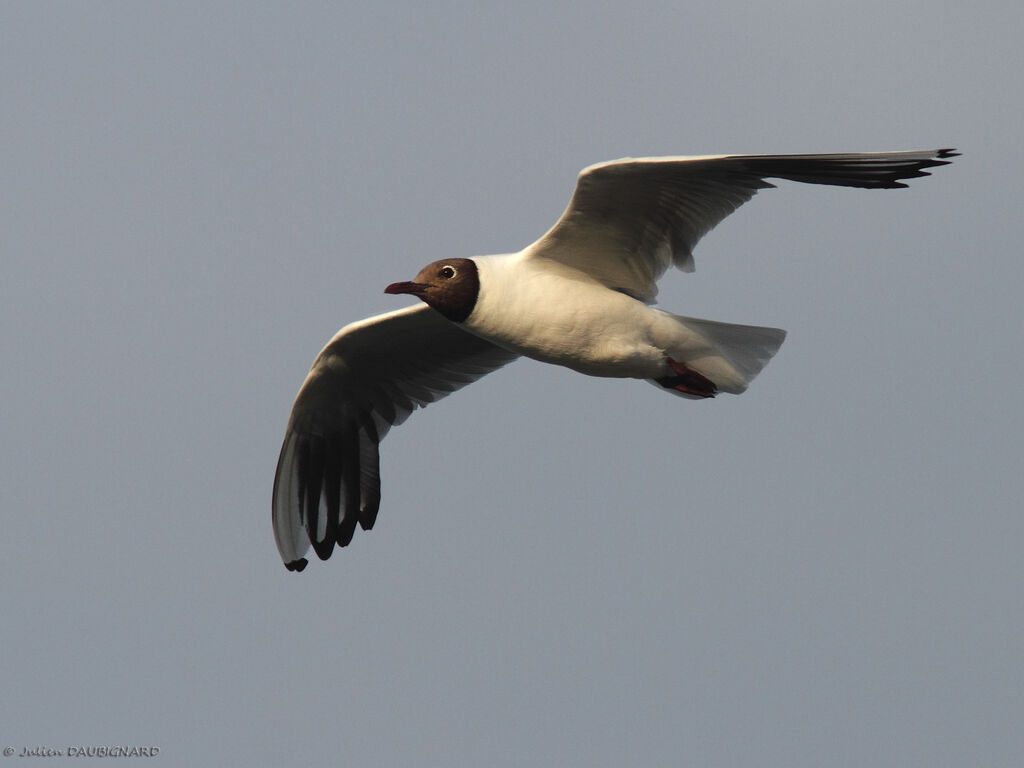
688,381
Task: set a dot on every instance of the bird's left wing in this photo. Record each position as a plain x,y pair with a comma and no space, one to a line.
630,220
370,376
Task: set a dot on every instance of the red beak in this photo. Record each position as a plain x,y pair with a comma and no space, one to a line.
409,287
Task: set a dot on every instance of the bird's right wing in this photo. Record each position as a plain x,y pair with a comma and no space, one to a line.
371,375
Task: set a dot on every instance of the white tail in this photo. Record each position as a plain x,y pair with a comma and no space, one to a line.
730,355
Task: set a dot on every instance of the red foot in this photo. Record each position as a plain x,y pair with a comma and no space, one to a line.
688,381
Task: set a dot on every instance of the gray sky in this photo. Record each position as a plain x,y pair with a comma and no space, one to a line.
566,571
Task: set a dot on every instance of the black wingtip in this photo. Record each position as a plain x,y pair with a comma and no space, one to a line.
323,549
368,514
297,565
942,157
346,530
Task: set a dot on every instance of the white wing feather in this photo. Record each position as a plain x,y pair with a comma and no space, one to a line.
630,220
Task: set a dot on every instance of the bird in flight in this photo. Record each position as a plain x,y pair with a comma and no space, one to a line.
579,297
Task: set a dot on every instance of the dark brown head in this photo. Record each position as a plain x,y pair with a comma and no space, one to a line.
450,286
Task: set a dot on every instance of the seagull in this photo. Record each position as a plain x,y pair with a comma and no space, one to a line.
581,297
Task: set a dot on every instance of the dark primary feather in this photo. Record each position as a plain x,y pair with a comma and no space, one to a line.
869,170
370,376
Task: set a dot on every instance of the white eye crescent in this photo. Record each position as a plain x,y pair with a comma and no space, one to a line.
447,272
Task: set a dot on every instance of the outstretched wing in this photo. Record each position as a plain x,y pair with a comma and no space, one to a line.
370,376
629,220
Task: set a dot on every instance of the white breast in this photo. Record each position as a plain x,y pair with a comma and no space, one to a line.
551,312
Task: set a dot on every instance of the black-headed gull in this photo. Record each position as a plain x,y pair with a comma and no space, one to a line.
578,297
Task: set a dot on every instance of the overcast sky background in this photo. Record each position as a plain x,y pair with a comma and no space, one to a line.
566,571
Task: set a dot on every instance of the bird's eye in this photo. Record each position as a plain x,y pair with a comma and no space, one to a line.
447,272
